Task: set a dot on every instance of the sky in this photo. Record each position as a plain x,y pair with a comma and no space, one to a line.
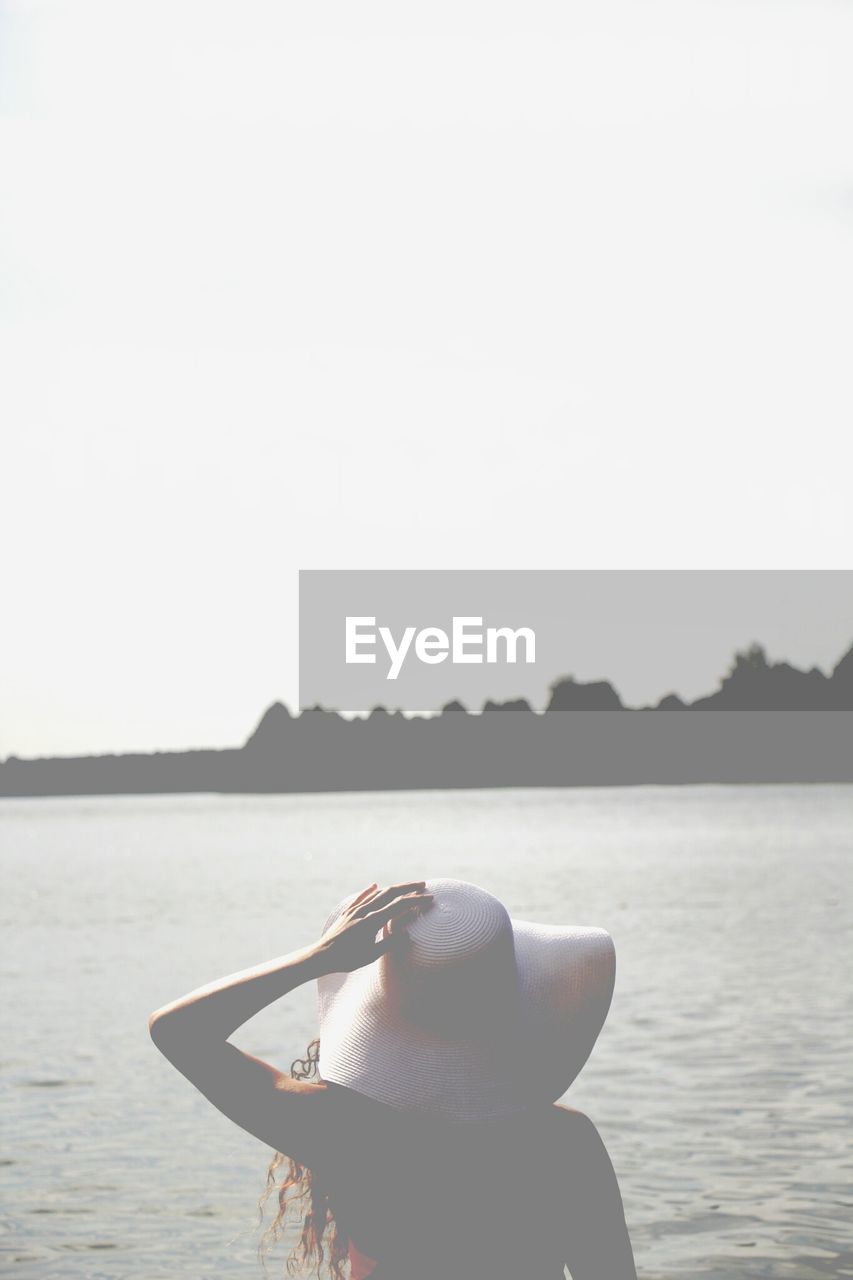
398,286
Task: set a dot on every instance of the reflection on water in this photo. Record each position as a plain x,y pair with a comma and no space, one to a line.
721,1082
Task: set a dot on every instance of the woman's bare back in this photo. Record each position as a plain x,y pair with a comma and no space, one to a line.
501,1200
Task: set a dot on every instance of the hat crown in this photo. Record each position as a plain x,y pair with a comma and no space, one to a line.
456,973
462,922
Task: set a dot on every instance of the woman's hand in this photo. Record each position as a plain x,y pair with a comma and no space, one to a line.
351,941
193,1032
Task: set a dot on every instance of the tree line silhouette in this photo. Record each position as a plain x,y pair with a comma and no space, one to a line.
320,750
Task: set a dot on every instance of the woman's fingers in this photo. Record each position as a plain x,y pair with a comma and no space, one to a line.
404,916
410,904
394,936
386,896
394,929
365,893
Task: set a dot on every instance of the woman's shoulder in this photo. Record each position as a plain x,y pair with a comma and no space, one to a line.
576,1127
572,1119
345,1106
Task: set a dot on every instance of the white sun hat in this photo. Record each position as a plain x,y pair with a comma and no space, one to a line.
477,1017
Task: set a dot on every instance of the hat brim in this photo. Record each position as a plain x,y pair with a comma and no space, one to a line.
565,984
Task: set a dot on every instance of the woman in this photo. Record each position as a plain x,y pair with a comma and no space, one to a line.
430,1145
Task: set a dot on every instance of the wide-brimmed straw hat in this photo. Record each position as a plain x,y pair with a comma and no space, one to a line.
478,1016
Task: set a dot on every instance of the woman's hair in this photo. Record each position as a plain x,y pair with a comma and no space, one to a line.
320,1237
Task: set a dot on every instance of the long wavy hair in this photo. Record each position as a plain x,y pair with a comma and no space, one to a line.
299,1186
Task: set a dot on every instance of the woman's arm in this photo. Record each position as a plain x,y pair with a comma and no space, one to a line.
189,1027
193,1032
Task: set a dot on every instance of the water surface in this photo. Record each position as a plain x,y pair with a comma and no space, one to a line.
721,1082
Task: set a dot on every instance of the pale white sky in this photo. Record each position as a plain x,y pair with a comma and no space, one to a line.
428,285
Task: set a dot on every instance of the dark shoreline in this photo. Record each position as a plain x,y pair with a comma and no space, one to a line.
532,786
320,752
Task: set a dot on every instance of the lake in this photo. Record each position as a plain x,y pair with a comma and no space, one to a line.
721,1083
